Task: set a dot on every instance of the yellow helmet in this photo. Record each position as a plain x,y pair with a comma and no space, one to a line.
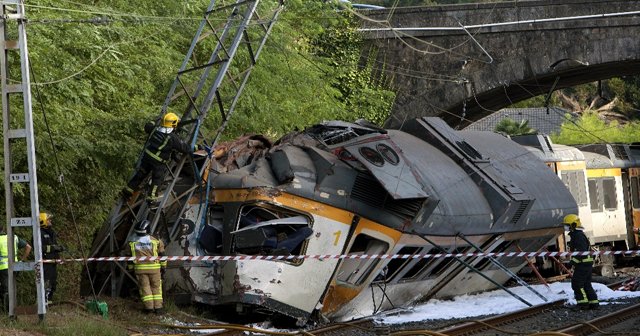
170,120
572,220
44,219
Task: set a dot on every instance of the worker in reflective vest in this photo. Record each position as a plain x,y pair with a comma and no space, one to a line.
4,263
162,142
148,272
586,297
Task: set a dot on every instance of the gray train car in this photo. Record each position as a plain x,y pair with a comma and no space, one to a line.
350,189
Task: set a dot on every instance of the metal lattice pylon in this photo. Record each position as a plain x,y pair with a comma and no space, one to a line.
18,134
215,69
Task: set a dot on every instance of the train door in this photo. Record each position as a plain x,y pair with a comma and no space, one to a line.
634,189
357,271
607,209
573,174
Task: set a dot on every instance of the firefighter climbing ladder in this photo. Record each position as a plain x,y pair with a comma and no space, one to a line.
18,134
235,35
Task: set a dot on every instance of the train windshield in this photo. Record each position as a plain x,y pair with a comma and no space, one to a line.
270,230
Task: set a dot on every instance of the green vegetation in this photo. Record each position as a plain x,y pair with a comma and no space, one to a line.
590,128
512,127
63,321
606,109
101,69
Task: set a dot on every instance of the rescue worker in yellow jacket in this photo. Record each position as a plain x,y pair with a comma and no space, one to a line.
18,244
162,142
586,297
148,272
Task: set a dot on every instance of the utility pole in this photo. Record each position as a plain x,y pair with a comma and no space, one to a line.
18,134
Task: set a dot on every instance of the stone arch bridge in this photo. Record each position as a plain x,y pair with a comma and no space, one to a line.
463,62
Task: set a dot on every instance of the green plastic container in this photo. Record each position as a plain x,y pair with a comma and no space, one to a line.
98,307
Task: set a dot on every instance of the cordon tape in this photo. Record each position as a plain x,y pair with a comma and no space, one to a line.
348,256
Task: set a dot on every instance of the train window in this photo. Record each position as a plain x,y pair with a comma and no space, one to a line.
574,180
372,156
635,196
399,263
593,196
446,262
486,261
210,238
609,193
603,194
423,264
356,271
506,246
271,230
388,153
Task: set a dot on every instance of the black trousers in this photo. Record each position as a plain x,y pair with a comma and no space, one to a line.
50,280
581,283
4,290
148,166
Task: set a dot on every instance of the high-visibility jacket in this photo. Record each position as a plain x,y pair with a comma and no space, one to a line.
147,246
4,251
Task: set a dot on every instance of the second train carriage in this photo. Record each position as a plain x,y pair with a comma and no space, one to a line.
351,189
603,179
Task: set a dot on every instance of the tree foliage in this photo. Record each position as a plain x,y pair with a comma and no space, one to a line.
101,69
590,128
512,127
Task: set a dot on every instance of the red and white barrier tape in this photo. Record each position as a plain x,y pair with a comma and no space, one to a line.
349,256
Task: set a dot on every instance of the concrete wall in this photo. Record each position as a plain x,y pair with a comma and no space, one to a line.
504,56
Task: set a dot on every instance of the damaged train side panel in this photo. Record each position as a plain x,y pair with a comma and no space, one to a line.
349,189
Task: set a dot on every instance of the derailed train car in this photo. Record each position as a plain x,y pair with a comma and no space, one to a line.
341,188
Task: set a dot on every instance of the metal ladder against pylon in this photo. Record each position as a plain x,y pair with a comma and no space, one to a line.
16,132
196,87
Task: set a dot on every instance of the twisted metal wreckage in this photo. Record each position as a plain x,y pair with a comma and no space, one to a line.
336,189
353,189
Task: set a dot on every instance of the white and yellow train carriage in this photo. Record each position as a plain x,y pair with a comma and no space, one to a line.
366,192
606,199
603,179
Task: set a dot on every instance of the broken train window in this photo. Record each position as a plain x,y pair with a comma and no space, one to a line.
355,271
267,229
210,238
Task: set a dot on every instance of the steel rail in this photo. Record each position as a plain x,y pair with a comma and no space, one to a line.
593,326
468,328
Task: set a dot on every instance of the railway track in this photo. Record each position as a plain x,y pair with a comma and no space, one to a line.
552,318
523,322
495,322
596,326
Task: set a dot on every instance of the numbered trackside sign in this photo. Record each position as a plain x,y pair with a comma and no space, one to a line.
21,221
19,178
